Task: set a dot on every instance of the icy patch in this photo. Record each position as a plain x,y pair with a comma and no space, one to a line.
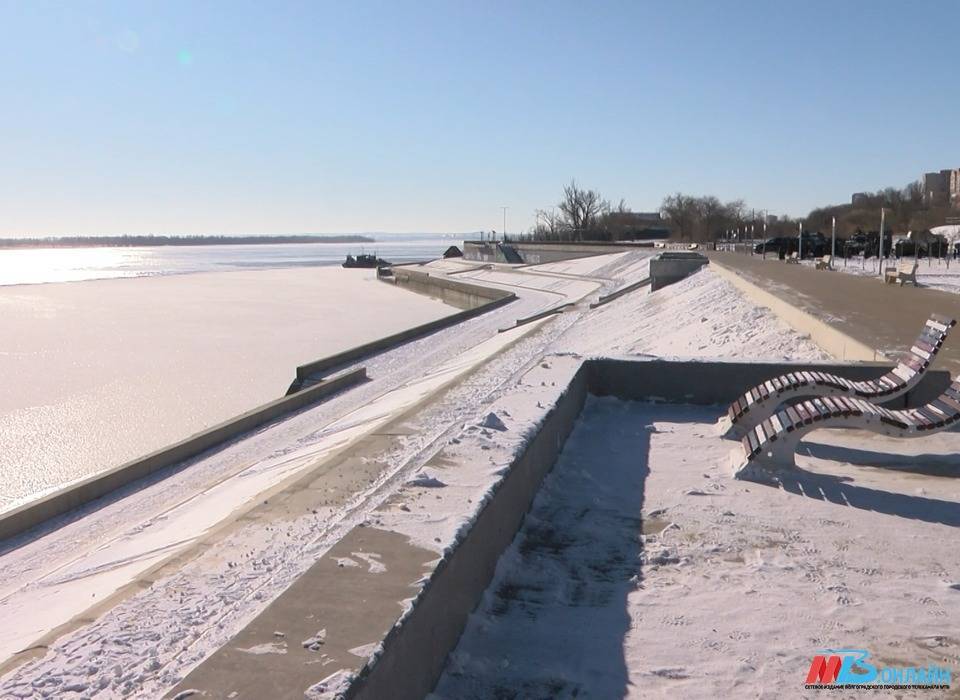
366,651
426,480
269,648
375,566
333,686
184,694
316,641
493,422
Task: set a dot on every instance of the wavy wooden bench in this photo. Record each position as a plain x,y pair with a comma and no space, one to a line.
764,399
772,445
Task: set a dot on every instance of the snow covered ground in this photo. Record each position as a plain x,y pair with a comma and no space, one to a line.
644,570
172,600
935,274
104,553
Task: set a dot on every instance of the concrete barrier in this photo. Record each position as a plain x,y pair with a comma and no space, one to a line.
357,607
415,651
620,292
720,383
493,299
545,251
671,267
464,295
832,340
536,317
77,494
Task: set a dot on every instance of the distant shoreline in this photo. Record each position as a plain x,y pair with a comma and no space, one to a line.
161,241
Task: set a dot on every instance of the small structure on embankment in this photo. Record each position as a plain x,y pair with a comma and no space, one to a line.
542,251
671,267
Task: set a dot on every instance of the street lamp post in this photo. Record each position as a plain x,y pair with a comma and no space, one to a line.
800,242
504,223
833,241
880,257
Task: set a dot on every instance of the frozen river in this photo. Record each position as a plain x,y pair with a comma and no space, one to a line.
99,372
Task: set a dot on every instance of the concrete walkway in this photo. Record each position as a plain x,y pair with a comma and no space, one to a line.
882,316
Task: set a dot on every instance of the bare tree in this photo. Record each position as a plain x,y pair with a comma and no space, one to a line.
682,211
713,216
581,208
549,225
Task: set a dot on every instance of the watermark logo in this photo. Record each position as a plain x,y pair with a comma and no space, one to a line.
852,668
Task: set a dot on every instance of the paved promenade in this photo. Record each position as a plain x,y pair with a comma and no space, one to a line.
883,316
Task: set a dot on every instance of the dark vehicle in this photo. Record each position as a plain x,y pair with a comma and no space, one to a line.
814,245
869,244
771,245
364,261
930,245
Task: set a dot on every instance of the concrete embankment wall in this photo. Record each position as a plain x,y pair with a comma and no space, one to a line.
537,253
832,340
463,295
720,383
415,651
75,495
473,298
669,268
613,296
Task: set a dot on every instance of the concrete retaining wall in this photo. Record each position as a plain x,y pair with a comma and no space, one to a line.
66,499
463,295
415,651
543,252
720,383
833,341
536,317
620,292
488,298
669,268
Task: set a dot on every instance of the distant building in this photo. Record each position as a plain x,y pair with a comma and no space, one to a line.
941,187
859,199
644,218
954,187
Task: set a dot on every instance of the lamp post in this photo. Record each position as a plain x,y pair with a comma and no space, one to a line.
504,223
800,243
833,241
880,256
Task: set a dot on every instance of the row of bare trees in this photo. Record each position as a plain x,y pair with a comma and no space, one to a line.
905,209
701,218
583,215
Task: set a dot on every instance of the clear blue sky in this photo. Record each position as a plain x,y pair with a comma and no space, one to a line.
208,117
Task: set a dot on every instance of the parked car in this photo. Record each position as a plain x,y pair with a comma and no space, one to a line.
814,245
